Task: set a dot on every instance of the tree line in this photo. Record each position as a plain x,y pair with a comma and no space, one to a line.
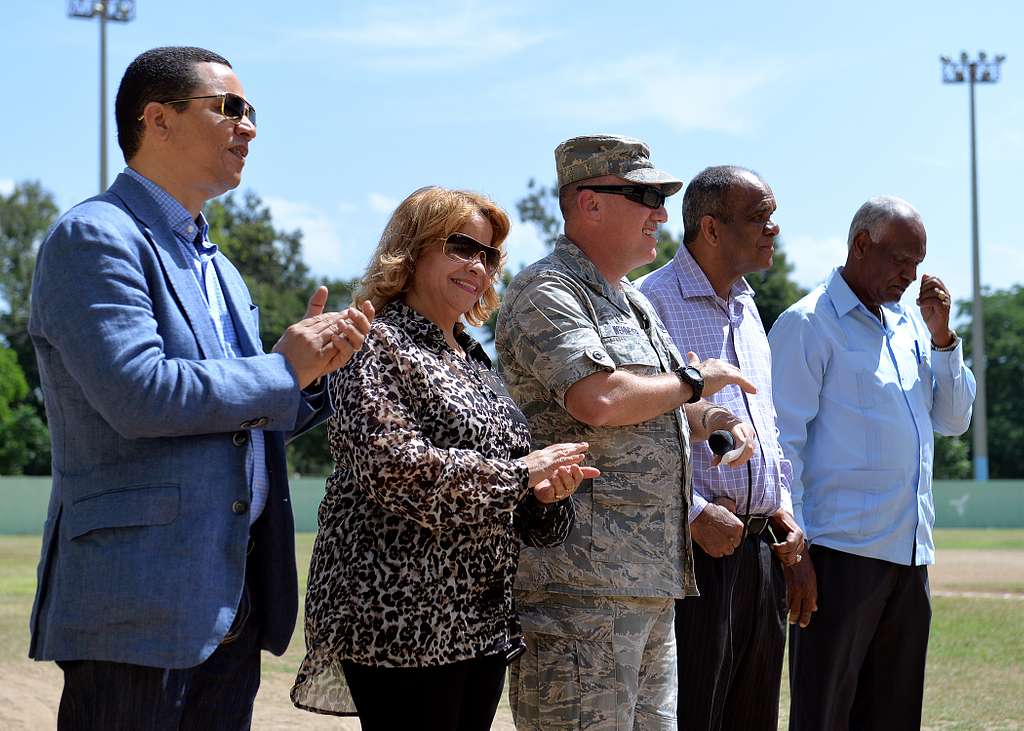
271,261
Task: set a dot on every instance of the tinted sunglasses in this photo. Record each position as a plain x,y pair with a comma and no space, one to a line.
232,106
645,195
464,248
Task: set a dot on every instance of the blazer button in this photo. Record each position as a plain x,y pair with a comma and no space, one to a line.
239,506
239,438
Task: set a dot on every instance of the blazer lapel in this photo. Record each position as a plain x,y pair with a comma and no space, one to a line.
178,270
239,305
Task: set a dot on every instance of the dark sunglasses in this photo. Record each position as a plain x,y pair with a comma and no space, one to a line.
645,195
464,248
232,106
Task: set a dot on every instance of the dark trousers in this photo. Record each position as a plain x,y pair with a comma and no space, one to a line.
860,663
462,696
730,640
217,694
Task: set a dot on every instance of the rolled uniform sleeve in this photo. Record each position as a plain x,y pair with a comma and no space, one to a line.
552,333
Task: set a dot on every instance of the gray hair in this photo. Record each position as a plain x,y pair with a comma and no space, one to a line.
876,213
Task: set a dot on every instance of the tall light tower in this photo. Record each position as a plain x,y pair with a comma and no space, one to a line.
121,11
977,71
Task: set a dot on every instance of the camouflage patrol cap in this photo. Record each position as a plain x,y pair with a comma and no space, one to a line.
592,156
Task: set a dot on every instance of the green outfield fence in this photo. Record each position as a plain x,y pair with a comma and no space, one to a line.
958,504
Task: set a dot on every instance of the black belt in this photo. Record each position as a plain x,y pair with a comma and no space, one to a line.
755,524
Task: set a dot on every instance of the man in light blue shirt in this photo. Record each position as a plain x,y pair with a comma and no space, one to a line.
860,384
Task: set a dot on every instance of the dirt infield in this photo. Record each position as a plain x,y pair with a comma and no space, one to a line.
29,691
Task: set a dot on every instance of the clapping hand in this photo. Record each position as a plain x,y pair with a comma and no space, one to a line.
321,343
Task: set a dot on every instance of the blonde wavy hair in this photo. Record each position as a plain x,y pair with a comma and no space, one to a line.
423,219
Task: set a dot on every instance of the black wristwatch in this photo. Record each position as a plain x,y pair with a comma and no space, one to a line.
692,378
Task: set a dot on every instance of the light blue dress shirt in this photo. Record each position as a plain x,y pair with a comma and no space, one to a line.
858,402
192,237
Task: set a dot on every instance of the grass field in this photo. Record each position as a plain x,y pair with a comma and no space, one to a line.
975,677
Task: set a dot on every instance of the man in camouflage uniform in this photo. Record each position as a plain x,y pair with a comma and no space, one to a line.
588,359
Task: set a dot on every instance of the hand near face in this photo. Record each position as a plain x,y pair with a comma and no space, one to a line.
935,303
321,343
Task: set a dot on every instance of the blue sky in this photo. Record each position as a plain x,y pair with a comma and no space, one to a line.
361,103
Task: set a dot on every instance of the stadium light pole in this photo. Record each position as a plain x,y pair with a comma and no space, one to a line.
980,70
121,11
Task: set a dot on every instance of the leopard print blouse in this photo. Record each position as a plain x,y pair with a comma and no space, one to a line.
420,527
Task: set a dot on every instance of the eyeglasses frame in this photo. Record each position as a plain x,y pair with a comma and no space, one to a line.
633,192
484,248
249,113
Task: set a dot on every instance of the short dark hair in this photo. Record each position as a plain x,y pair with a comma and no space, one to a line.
706,196
158,74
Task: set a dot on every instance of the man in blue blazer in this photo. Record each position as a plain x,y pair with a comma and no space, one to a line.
168,558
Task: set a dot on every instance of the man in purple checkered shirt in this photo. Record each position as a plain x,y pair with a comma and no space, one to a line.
731,639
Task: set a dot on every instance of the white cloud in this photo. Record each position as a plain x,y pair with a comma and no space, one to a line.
6,186
813,257
381,203
419,38
323,248
715,94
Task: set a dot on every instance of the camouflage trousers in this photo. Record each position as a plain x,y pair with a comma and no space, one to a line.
591,662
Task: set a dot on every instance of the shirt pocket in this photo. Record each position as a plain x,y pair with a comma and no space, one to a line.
857,379
863,502
630,519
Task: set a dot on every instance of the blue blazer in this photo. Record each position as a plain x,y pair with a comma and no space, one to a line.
145,543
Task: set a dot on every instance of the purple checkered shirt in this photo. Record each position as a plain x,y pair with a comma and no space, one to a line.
701,321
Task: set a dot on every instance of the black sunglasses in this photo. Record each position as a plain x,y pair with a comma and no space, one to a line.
645,195
464,248
232,106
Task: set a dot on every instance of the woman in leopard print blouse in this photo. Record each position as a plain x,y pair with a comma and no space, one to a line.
409,615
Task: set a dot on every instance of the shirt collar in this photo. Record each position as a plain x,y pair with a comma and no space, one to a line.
179,219
694,282
587,271
844,300
424,332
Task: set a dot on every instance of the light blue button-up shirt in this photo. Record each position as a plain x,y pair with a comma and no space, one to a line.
192,238
858,400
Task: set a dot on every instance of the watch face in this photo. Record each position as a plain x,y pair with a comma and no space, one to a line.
693,373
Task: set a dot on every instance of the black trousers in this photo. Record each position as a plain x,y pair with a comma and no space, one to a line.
730,640
860,663
462,696
217,694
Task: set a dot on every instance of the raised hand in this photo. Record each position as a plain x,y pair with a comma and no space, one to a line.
935,303
323,342
718,374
